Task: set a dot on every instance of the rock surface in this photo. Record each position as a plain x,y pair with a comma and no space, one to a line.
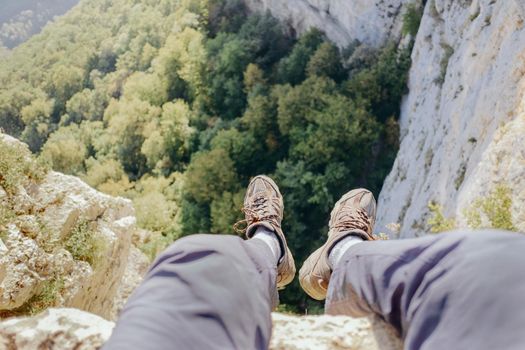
39,267
55,329
463,122
331,332
372,22
136,268
64,329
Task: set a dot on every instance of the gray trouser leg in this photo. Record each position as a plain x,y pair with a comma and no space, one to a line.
203,292
458,290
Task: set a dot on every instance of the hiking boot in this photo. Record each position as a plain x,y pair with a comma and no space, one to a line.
263,206
353,215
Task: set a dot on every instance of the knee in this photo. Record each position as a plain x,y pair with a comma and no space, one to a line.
198,246
201,241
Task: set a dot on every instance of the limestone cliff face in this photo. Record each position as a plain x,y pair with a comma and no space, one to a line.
463,122
371,22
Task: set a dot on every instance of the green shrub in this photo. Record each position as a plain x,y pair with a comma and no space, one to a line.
491,211
47,297
6,216
17,166
412,19
438,222
443,66
85,244
286,309
495,208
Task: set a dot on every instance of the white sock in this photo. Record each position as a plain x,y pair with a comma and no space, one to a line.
270,238
340,248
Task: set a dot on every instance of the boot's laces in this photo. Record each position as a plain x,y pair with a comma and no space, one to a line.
259,210
356,218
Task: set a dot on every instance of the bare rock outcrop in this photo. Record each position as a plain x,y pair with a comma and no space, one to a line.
63,243
463,122
372,22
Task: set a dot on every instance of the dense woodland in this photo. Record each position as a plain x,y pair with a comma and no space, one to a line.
176,104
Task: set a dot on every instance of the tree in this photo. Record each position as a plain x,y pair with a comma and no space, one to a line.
253,78
242,147
146,87
65,82
291,69
36,116
167,139
85,105
228,57
225,212
65,150
126,121
209,175
326,62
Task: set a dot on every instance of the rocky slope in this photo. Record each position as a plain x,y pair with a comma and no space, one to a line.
370,22
61,242
463,122
64,329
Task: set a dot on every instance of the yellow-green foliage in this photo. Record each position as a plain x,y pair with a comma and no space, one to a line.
85,244
155,244
46,298
491,211
17,167
382,236
495,208
438,222
47,239
286,309
155,200
6,215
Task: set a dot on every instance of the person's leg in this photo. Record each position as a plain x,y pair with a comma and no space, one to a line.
203,292
450,291
211,291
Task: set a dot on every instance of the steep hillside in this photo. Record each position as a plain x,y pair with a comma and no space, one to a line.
20,19
177,104
463,122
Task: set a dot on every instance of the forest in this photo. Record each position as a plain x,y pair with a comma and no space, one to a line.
176,104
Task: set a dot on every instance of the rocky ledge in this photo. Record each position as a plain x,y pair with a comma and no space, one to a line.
64,329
